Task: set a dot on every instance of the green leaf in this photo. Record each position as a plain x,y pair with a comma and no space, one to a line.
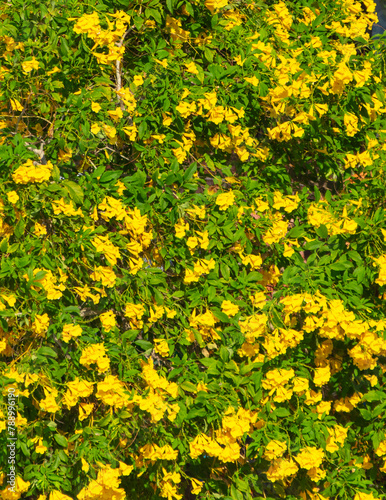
190,171
19,229
110,175
188,386
61,440
4,245
208,54
225,271
338,266
75,191
359,273
296,232
224,353
189,8
282,412
322,232
56,173
144,344
47,351
366,414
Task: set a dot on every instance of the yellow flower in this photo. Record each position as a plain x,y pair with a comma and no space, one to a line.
225,200
41,324
138,80
70,331
322,375
95,128
65,155
85,465
49,404
275,449
381,450
364,496
252,80
40,448
215,5
54,70
191,68
95,353
196,486
116,115
108,320
84,410
57,495
192,243
28,66
16,106
27,172
181,228
351,124
163,63
96,108
238,60
161,347
104,274
229,308
12,197
310,457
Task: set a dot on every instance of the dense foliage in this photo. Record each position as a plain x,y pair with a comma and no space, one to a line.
193,257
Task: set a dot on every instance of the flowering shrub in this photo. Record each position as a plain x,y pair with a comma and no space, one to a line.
193,257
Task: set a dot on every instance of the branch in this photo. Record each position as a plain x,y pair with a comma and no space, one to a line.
118,69
39,152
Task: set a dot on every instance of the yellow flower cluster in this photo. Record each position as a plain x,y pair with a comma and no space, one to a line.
112,207
135,313
318,215
89,24
48,283
41,324
310,457
104,274
107,484
201,266
276,233
161,347
280,469
108,320
205,324
49,404
103,245
177,34
155,402
75,390
215,5
225,200
338,435
27,172
154,452
61,207
71,331
275,449
224,445
275,381
168,485
95,353
85,293
111,391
